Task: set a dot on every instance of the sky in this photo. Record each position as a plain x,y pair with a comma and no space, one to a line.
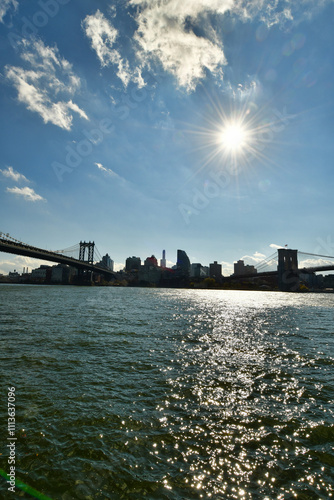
143,125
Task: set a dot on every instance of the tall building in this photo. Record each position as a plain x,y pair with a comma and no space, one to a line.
163,260
183,262
198,271
151,261
132,263
216,270
241,270
107,262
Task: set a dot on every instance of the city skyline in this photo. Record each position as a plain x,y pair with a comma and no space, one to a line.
155,125
88,252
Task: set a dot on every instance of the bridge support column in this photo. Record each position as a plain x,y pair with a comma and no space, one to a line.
90,251
86,277
288,276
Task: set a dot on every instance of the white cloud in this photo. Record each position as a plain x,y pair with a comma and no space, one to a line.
107,170
179,34
180,37
19,262
315,263
103,36
12,174
5,6
273,245
164,35
47,84
227,268
27,193
256,258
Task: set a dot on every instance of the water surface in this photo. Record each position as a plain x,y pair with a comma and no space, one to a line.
127,393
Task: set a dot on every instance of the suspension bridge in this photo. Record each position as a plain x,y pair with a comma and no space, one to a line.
83,256
286,264
289,266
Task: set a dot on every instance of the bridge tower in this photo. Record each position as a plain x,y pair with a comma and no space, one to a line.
90,251
86,277
288,276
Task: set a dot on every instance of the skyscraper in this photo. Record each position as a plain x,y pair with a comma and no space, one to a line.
183,262
163,260
216,270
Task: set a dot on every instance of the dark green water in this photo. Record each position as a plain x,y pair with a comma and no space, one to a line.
168,394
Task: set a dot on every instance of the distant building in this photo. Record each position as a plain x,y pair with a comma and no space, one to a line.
216,271
198,271
183,263
241,270
107,262
149,274
132,264
163,260
327,281
13,275
41,273
62,274
151,261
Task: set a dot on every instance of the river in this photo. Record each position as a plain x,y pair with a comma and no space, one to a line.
131,393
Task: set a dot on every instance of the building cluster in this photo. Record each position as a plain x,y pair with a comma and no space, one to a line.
106,263
59,274
152,272
241,270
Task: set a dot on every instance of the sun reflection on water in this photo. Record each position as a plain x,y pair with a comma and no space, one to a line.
219,395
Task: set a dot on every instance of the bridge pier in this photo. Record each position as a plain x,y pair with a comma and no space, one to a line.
288,276
85,277
90,250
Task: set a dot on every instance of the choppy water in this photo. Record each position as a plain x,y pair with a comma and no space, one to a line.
169,394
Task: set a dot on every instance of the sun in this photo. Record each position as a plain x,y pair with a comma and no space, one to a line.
234,137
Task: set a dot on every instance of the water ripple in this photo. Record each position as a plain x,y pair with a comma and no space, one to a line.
170,394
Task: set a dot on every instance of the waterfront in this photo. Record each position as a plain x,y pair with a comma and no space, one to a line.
169,394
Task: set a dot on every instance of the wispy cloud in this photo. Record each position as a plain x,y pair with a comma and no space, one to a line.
273,245
315,262
103,35
107,170
5,6
256,258
119,266
12,174
180,37
227,268
18,262
46,84
26,192
166,33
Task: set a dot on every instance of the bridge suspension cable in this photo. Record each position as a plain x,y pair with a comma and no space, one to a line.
99,261
267,262
69,249
316,255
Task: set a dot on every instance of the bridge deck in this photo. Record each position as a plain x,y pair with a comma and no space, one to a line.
39,253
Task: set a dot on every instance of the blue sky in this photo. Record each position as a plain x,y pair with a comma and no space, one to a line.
144,125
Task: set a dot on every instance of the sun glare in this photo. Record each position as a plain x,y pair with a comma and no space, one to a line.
234,138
